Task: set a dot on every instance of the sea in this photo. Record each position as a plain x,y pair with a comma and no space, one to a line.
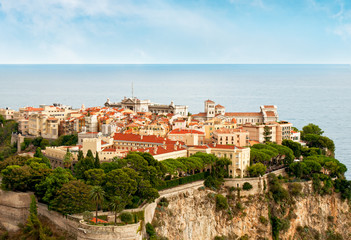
319,94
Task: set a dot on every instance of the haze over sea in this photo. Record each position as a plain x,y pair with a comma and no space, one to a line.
319,94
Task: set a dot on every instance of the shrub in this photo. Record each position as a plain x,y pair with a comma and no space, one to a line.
87,216
220,238
150,230
295,189
164,202
247,186
263,220
183,180
221,202
126,217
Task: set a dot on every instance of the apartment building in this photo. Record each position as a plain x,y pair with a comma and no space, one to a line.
237,137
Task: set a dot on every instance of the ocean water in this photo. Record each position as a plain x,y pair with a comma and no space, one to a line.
319,94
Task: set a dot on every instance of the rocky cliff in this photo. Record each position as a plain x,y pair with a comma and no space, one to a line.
193,215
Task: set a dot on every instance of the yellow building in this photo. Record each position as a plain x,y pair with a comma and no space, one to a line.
239,156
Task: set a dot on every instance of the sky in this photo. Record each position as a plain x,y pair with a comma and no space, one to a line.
175,31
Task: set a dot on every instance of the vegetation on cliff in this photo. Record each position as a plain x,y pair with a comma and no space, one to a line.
7,127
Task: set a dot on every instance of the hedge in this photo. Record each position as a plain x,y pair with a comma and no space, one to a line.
183,180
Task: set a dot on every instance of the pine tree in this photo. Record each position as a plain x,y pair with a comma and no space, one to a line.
97,161
33,228
80,155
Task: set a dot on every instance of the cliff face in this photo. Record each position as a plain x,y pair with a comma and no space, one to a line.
193,215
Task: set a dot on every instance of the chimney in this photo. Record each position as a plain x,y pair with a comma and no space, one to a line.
175,147
141,137
214,144
155,150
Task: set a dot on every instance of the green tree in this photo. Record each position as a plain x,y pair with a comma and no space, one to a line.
33,227
311,129
68,159
47,189
16,178
121,183
73,197
117,204
39,154
257,170
95,176
267,134
97,161
90,154
97,196
80,155
294,146
83,165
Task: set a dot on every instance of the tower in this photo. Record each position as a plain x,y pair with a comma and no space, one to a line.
209,109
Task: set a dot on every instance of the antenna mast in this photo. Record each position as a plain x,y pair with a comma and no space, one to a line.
132,90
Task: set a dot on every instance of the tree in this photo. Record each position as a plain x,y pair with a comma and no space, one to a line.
312,129
80,155
16,178
121,183
90,154
39,154
84,165
33,227
256,170
67,160
97,161
147,192
95,176
97,195
117,204
47,189
267,134
294,146
72,198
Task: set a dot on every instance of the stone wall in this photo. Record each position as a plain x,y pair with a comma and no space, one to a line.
14,209
66,223
92,232
257,183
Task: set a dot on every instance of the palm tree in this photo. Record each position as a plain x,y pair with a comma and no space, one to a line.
117,204
97,195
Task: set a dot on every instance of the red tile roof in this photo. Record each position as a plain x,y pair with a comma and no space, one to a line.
268,106
243,114
185,131
139,138
167,148
219,106
209,101
270,114
199,115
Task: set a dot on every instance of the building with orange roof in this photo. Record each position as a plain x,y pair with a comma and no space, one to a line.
238,137
188,136
278,131
165,151
134,141
267,113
